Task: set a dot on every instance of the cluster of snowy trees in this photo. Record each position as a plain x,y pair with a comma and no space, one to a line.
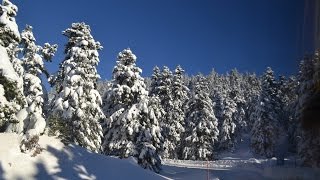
22,95
170,115
205,115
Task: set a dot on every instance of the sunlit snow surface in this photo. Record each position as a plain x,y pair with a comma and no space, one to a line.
74,162
238,165
60,162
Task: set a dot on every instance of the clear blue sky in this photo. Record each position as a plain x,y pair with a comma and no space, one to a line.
197,34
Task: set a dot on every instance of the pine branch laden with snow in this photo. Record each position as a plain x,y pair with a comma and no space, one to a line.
9,29
150,141
201,124
120,132
11,70
266,130
13,100
76,99
7,109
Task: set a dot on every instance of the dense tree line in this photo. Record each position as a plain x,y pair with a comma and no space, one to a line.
169,115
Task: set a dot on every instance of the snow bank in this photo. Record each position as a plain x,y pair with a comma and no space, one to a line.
240,164
57,161
235,169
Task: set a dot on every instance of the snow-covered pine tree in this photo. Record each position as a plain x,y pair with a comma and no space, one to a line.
218,100
155,80
9,32
237,95
252,87
121,107
307,112
290,101
305,89
76,100
266,127
287,93
149,141
179,98
171,128
227,125
128,86
33,56
179,92
132,127
201,124
12,99
214,83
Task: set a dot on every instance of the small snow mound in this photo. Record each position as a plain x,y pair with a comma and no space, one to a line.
254,160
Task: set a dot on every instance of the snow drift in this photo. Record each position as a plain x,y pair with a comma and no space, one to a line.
57,161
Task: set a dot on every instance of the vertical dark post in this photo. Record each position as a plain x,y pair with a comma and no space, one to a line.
207,170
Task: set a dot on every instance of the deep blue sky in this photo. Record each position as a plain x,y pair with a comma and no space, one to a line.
197,34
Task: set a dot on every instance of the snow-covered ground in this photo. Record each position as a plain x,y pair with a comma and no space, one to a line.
73,162
240,164
234,168
60,162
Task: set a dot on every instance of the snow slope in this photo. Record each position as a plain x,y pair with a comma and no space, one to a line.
64,162
73,162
